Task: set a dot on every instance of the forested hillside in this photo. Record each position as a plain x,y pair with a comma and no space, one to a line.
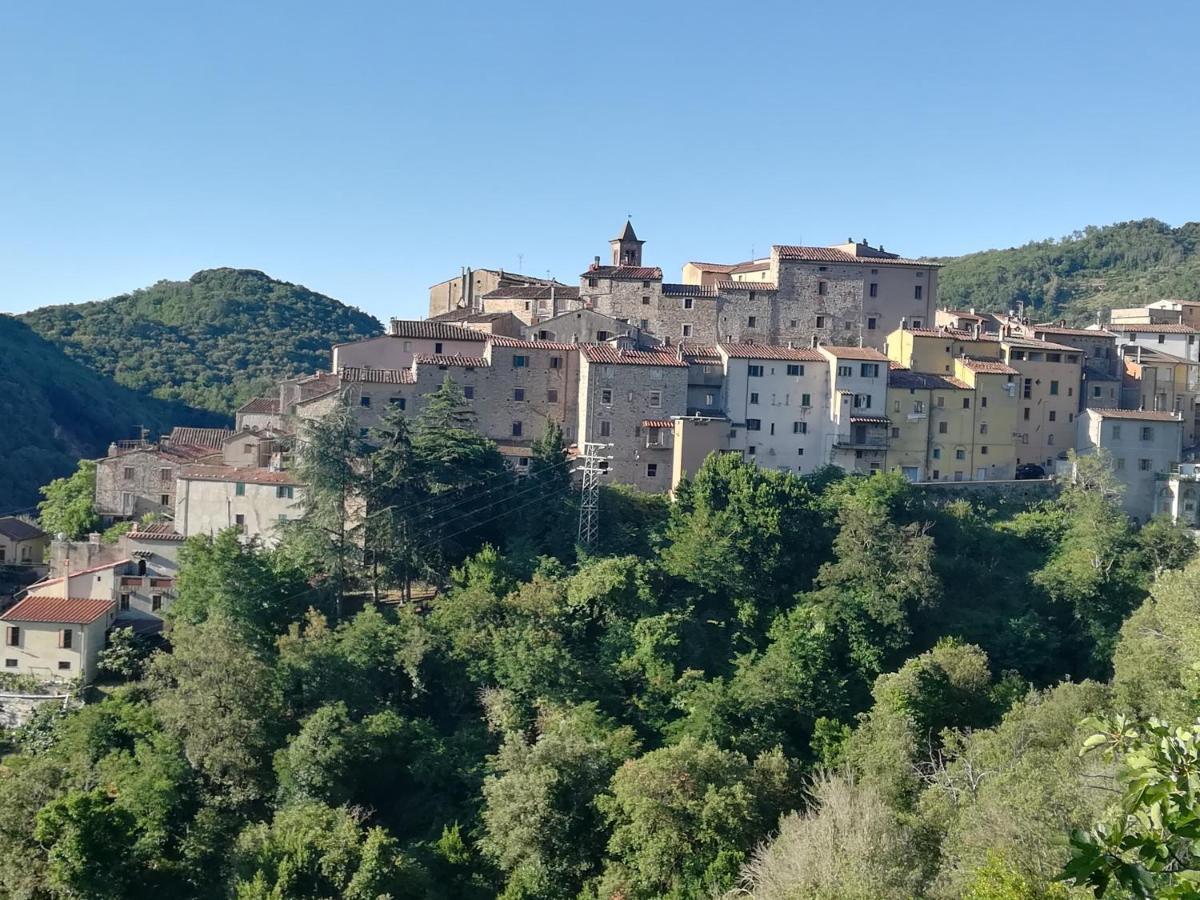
1080,275
55,411
778,687
211,341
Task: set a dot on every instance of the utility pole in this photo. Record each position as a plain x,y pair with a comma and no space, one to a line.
589,500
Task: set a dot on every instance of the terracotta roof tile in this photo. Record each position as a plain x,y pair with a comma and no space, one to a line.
1154,328
212,438
434,331
629,273
76,611
989,366
700,354
262,405
714,267
156,531
608,355
469,362
871,420
355,374
237,473
533,292
1063,329
688,290
832,255
747,286
908,379
657,423
854,353
1145,415
767,351
500,340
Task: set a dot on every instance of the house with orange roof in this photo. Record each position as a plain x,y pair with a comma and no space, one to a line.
53,637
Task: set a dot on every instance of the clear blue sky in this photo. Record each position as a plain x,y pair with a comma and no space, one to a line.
369,149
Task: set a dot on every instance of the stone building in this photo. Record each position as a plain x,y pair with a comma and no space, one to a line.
465,290
532,304
483,322
583,326
619,391
138,478
261,412
404,341
1144,446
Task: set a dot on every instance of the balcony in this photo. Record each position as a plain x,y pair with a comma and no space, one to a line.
859,441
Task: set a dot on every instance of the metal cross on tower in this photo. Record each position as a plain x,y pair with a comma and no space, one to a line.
589,500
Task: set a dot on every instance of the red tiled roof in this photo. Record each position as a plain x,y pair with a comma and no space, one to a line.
534,292
269,405
212,438
500,340
989,366
1063,329
1036,344
609,355
953,334
714,267
766,351
632,273
1154,328
237,473
156,531
688,290
907,378
854,353
871,420
831,255
1147,415
470,362
962,314
747,286
657,423
700,354
76,611
378,376
752,266
432,331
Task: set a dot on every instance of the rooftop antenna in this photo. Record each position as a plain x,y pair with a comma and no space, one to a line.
520,262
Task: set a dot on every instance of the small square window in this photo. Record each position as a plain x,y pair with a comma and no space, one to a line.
469,392
437,348
688,302
10,663
645,301
518,393
64,665
754,371
651,470
239,489
686,330
517,429
656,398
364,400
753,398
606,395
605,428
752,322
551,396
795,370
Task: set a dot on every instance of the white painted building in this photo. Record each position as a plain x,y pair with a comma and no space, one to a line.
1143,444
858,428
256,501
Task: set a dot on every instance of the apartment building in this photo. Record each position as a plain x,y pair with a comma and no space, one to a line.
777,403
626,397
256,501
1050,379
1177,495
859,429
1156,380
1143,445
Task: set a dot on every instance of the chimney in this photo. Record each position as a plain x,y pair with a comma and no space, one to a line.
66,582
904,323
595,262
815,342
975,331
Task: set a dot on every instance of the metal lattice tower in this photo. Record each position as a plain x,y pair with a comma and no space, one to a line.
589,500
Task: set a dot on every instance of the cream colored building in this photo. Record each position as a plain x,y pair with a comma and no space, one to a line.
255,501
54,638
407,339
1144,446
21,543
695,438
858,429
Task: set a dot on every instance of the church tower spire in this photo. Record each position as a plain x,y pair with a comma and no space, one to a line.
626,248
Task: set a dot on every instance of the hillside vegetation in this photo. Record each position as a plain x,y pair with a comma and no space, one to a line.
55,411
1083,274
211,341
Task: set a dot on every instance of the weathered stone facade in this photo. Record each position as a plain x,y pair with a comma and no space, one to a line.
132,482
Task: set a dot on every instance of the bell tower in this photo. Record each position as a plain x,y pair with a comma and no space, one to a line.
626,249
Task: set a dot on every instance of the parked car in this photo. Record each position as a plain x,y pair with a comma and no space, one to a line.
1030,470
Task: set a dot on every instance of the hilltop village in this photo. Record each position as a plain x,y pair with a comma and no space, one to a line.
806,358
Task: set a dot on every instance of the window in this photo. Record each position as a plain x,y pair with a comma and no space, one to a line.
1119,463
518,394
1070,417
1026,414
862,401
644,324
606,395
1028,389
1053,388
806,399
983,450
10,663
605,428
155,602
645,284
846,371
1147,433
941,401
960,453
822,288
1053,417
754,424
364,400
551,396
1053,357
916,323
795,370
407,346
871,322
942,427
124,601
398,402
1050,440
799,428
752,322
937,454
468,392
1143,465
917,292
128,473
437,348
935,474
239,489
645,300
1017,354
593,282
12,636
1116,432
966,402
869,370
983,427
754,371
64,665
754,398
66,638
751,450
688,302
556,362
651,470
873,291
520,362
1162,338
656,398
164,499
686,330
983,402
283,492
517,428
895,432
164,476
240,521
282,517
710,399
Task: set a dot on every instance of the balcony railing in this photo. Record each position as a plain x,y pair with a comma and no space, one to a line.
863,442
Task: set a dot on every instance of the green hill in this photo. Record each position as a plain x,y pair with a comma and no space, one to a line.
1080,275
56,411
211,341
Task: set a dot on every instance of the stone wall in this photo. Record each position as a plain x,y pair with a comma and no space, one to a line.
992,493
